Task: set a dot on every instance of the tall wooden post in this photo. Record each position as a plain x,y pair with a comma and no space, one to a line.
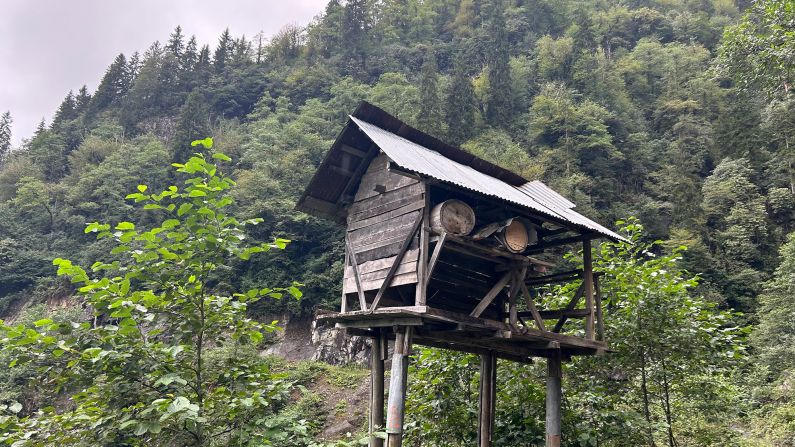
554,397
422,266
587,272
377,389
488,398
396,406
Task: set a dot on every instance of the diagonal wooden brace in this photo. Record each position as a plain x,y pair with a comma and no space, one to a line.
495,290
396,263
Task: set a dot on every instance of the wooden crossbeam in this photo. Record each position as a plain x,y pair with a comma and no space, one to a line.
396,263
556,314
495,290
556,277
543,245
359,289
572,304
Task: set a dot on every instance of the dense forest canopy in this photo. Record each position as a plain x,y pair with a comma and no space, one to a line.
678,112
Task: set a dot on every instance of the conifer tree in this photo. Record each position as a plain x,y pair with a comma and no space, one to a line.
460,105
112,87
134,66
176,42
5,135
193,120
242,51
429,118
499,102
223,51
82,99
66,111
40,128
355,27
191,55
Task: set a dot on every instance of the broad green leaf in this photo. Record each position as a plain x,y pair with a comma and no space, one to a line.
207,143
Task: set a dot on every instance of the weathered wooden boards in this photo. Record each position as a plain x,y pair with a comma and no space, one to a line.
382,221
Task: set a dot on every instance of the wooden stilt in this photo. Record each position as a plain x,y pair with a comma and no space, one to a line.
600,323
486,402
554,396
376,390
588,285
396,406
422,263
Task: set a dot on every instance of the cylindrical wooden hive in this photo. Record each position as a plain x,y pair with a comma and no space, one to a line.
453,216
514,236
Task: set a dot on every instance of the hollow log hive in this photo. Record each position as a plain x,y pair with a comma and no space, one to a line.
408,280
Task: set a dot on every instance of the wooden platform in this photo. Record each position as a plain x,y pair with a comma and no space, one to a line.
451,330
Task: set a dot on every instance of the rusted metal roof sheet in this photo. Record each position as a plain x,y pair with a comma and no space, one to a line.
421,160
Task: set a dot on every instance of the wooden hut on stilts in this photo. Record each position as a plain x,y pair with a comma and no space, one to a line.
442,250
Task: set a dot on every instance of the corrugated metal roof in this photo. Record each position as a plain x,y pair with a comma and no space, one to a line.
416,158
545,194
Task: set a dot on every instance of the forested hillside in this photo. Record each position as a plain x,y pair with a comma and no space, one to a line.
663,110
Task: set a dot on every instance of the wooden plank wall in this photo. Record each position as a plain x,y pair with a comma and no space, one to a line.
384,210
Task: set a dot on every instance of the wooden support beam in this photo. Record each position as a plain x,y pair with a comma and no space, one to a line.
344,298
556,314
572,304
513,312
600,323
437,250
531,307
543,245
353,151
486,401
490,253
495,290
554,398
351,254
587,260
377,357
396,263
422,265
556,277
364,163
396,406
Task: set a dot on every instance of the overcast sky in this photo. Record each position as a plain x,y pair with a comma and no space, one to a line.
48,47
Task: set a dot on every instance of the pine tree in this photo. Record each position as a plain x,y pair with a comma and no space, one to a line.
5,136
134,67
355,28
176,42
191,55
429,118
112,87
460,105
241,54
193,123
82,99
40,128
66,111
499,103
223,51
